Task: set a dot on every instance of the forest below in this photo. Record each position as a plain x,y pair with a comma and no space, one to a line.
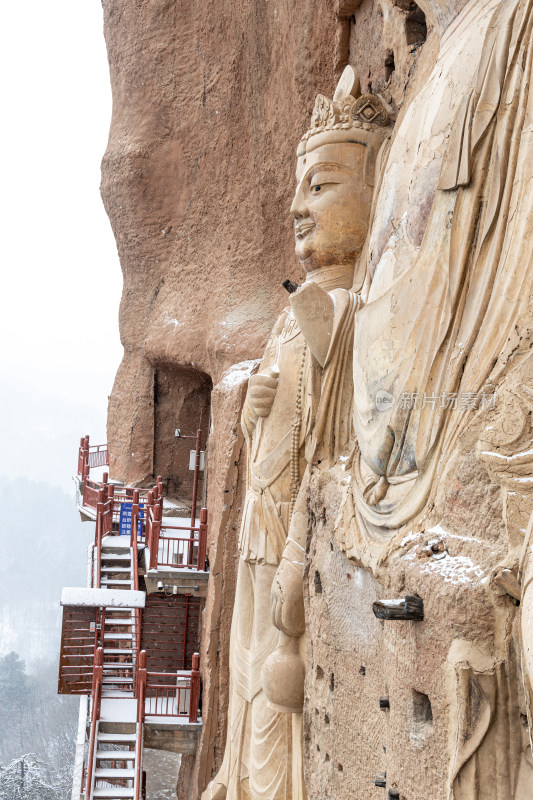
45,546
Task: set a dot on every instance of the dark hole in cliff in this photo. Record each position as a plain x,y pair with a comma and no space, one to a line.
422,711
389,64
332,682
182,402
340,767
326,719
326,757
317,582
416,30
319,673
362,671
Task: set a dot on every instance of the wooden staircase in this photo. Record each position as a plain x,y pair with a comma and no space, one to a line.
117,754
115,751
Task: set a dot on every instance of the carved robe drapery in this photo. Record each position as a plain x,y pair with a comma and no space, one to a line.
441,327
262,759
438,334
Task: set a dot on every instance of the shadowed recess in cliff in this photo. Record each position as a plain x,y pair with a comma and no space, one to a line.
182,400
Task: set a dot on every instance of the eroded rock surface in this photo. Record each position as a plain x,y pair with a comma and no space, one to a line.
209,102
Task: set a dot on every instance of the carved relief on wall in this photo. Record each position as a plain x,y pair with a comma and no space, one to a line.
397,365
335,174
443,290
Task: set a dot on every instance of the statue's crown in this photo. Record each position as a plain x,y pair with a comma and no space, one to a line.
348,109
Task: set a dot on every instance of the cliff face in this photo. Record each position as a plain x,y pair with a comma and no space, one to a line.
209,100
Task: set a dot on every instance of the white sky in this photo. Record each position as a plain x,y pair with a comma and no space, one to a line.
61,279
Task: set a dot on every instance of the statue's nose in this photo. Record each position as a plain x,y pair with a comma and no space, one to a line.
299,206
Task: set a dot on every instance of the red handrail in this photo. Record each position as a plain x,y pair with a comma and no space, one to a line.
135,559
202,540
154,530
141,694
167,696
98,538
91,455
195,688
95,715
182,545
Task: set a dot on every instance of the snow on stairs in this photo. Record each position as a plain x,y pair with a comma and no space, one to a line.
116,567
119,652
118,740
116,760
119,624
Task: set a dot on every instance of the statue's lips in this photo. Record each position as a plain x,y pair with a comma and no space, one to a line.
303,229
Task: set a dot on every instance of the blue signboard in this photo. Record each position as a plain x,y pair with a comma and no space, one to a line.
126,513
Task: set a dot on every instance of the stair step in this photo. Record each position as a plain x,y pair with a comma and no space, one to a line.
118,569
117,738
117,665
111,679
116,793
110,581
105,772
117,650
117,694
116,547
116,755
107,556
112,622
118,636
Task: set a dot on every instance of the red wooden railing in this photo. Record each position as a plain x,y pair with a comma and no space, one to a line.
186,550
96,455
177,697
140,693
120,495
90,493
95,716
134,540
195,688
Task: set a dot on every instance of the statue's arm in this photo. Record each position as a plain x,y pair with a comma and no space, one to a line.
314,310
287,593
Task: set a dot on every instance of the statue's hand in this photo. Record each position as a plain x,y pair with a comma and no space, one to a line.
262,391
287,593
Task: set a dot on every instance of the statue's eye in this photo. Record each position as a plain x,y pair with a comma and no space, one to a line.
316,189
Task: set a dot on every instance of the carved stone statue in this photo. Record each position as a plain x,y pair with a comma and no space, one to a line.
331,209
441,316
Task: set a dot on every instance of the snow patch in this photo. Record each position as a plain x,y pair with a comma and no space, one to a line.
238,373
118,598
454,569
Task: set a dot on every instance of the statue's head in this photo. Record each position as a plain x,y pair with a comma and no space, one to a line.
335,175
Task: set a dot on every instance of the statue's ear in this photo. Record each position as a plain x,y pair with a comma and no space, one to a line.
348,84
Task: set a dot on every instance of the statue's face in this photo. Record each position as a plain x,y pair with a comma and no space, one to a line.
331,206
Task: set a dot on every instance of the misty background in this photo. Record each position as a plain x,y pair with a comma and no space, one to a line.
61,285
